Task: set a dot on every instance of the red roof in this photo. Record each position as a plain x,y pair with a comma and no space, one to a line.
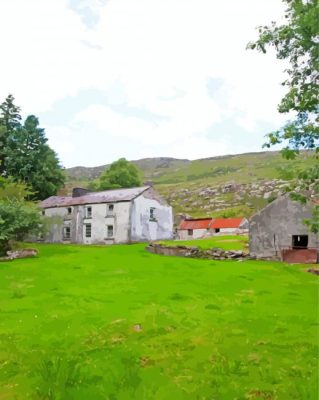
220,223
202,223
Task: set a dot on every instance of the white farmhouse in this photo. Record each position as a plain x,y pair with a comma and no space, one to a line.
111,216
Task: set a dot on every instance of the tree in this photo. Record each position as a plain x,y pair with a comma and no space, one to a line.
30,160
120,174
9,120
297,42
25,154
18,218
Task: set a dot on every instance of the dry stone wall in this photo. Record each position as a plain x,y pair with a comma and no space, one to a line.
195,252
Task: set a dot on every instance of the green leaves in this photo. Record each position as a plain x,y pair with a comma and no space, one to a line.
297,42
18,219
25,154
121,174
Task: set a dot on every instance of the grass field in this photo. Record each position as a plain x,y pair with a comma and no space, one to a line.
227,242
119,323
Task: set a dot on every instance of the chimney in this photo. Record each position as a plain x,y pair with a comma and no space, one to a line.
78,192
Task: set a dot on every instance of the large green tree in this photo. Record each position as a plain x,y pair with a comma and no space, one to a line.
297,41
25,154
120,174
29,159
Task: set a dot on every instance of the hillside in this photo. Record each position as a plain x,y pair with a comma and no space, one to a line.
227,185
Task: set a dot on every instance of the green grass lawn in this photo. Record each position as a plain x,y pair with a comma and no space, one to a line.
227,242
118,323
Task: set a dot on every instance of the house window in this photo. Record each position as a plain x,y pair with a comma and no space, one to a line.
43,212
110,209
110,231
88,212
152,214
67,233
217,230
69,210
299,241
88,230
190,232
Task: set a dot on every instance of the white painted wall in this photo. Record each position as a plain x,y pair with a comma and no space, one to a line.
143,228
99,222
197,234
56,219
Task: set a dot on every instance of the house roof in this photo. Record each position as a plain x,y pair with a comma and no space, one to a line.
201,223
220,223
107,196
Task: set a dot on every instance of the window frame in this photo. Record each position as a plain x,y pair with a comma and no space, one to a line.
88,231
302,239
65,235
108,235
152,214
69,210
88,214
190,232
109,212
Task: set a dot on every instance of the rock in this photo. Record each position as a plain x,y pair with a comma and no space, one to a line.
137,328
267,195
314,271
24,253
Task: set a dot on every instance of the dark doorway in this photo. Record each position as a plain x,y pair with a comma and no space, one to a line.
299,241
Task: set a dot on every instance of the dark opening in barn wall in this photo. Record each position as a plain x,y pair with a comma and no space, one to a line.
299,241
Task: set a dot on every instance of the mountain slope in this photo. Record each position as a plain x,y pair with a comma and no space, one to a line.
227,185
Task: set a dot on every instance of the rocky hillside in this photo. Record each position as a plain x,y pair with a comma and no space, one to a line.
228,186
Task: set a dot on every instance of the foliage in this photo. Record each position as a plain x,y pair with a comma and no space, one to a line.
209,329
18,218
9,189
297,42
29,159
120,174
9,120
26,156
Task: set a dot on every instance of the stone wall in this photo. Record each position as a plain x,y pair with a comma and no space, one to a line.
272,229
195,252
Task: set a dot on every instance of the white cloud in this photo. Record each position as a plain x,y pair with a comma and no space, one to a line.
153,55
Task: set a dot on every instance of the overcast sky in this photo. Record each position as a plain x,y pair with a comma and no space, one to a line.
142,78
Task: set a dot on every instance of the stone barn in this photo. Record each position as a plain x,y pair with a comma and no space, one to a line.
277,232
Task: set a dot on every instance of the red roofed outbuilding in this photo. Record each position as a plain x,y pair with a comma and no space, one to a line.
230,225
194,228
200,227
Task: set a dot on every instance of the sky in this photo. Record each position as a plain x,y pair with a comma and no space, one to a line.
142,78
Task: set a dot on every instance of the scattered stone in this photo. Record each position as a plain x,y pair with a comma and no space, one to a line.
195,252
23,253
314,271
137,328
267,195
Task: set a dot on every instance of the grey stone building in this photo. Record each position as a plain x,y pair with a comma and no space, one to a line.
278,232
107,217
